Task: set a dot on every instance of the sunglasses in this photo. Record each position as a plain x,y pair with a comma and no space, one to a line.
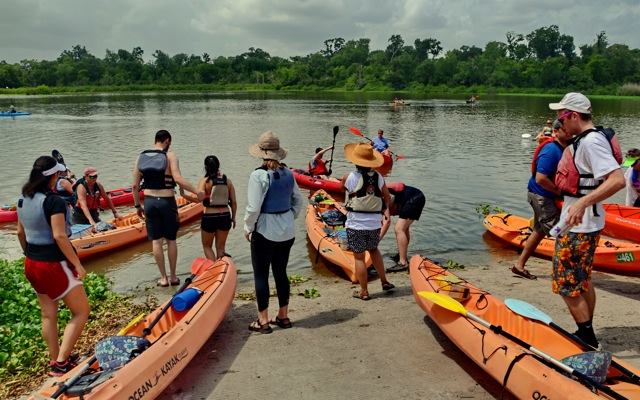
564,116
93,176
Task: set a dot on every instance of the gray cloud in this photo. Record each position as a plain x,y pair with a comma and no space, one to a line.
42,29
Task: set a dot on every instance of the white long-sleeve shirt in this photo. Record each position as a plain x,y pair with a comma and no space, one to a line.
274,227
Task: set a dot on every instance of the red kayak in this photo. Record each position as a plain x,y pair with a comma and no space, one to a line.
388,161
331,185
119,197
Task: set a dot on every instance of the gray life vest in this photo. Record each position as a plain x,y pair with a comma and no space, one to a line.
219,196
278,197
32,217
152,164
366,196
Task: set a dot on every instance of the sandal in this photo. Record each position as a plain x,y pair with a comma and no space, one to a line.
398,267
176,282
388,286
256,326
159,283
524,273
361,295
284,323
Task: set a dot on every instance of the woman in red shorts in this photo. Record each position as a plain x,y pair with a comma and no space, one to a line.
51,265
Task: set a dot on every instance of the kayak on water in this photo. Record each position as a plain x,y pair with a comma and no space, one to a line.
616,256
329,184
161,352
13,114
511,364
119,197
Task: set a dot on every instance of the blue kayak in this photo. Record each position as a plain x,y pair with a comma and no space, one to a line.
13,114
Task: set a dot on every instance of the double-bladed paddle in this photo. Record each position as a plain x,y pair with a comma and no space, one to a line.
455,306
333,145
357,132
530,311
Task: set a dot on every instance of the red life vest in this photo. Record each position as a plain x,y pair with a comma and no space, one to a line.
536,153
568,179
319,169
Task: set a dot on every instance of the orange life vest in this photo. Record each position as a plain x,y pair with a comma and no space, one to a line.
319,169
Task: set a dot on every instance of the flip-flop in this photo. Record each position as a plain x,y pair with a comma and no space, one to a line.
359,295
524,273
176,282
161,284
388,286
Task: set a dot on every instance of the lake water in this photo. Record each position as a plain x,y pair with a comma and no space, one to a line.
458,155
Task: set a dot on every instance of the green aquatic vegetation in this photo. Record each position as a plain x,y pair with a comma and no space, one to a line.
484,209
450,264
310,293
23,352
295,279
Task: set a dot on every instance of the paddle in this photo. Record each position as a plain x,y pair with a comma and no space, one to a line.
196,268
65,386
333,145
530,311
453,305
58,156
357,132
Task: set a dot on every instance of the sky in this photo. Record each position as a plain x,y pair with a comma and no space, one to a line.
42,29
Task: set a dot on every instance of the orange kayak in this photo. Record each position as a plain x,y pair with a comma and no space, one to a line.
611,255
129,229
529,378
622,222
325,237
175,340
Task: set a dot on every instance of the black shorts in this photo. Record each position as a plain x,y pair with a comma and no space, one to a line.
216,222
412,208
77,217
161,215
362,240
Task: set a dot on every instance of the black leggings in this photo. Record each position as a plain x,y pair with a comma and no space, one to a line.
265,252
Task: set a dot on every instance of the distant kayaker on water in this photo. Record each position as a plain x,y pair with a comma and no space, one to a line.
542,194
12,109
158,171
381,143
546,131
88,192
367,199
218,195
632,177
407,204
273,202
317,166
588,172
51,264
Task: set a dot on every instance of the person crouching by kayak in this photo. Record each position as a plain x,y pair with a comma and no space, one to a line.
218,195
88,191
317,166
273,202
407,204
368,198
158,170
51,264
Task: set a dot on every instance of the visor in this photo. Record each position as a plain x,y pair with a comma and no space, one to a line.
56,168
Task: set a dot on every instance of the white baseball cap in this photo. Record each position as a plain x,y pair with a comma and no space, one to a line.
574,102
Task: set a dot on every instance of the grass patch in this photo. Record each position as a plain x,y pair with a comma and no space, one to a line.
23,353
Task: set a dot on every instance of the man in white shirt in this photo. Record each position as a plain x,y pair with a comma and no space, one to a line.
583,213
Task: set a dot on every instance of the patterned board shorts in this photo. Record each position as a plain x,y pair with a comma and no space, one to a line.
572,261
360,240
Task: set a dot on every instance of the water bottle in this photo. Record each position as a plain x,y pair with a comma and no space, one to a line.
559,229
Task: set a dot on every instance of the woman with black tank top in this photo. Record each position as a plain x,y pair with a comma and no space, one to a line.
51,264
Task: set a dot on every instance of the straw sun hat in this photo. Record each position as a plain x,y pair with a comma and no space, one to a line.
268,147
362,154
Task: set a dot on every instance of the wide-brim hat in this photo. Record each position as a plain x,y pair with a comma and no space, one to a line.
363,154
268,147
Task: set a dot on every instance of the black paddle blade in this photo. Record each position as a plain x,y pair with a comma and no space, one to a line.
56,154
335,130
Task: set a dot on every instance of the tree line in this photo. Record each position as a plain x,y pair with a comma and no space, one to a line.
543,59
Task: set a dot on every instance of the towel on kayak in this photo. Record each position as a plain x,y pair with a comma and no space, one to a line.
333,217
114,352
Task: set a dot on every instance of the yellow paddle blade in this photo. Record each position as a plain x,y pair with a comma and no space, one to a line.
131,324
444,301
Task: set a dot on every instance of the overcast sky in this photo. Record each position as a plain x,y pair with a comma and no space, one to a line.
42,29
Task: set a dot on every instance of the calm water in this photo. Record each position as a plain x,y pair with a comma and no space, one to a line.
458,155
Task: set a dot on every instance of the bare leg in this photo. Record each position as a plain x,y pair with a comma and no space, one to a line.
378,264
579,308
590,297
361,273
78,303
283,312
158,254
263,316
403,237
529,247
221,242
49,313
207,244
172,253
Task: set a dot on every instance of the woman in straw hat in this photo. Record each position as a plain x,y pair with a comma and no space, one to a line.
368,198
274,200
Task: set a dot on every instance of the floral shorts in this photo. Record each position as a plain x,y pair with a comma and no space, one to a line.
572,261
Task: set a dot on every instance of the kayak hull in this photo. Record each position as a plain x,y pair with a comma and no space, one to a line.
331,185
129,229
15,114
529,378
176,339
622,222
614,256
329,247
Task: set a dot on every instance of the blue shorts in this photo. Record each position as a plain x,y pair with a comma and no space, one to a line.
161,216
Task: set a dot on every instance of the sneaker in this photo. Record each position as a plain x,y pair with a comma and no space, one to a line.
398,267
395,257
59,369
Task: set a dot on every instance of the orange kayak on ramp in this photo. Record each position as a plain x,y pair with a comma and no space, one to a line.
622,222
327,239
129,229
175,340
614,256
522,373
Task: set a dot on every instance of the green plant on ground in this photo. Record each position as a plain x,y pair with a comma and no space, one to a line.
450,264
484,209
295,279
310,293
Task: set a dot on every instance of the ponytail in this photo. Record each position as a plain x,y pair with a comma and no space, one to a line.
211,167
